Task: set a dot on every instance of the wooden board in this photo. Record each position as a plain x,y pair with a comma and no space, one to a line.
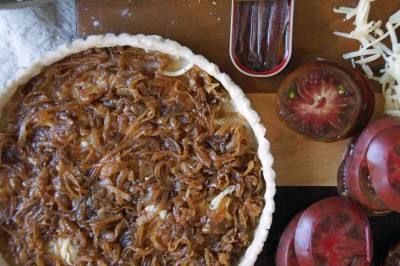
204,27
299,161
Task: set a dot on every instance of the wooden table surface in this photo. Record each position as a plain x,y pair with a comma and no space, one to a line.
204,27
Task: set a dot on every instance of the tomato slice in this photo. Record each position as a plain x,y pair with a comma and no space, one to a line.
367,94
285,254
358,182
322,101
383,159
333,231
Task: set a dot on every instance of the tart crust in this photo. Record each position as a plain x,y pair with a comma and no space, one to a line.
157,43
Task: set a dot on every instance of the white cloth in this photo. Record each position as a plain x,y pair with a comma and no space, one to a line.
26,33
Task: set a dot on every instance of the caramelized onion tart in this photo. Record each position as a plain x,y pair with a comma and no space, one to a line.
131,150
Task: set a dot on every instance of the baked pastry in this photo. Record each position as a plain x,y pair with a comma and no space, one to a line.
128,150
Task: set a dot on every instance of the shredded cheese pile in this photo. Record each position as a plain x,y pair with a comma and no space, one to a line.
370,35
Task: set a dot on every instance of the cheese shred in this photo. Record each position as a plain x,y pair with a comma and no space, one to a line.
370,35
215,202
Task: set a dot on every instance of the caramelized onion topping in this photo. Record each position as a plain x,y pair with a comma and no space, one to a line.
106,160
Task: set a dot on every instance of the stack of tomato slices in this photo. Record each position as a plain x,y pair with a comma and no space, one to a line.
333,231
369,173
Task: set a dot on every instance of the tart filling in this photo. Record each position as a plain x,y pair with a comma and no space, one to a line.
111,156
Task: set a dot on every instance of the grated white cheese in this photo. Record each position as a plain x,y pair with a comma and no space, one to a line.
360,53
395,18
178,72
373,49
84,144
215,201
369,59
163,214
149,208
31,161
64,249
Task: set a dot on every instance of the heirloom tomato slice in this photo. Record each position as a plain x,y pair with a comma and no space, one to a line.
325,101
333,231
285,254
383,159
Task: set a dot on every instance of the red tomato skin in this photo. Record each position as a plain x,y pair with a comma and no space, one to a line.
357,169
379,165
311,219
285,253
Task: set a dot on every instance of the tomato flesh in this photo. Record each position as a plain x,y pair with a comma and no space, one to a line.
321,101
367,94
332,244
383,158
394,168
333,231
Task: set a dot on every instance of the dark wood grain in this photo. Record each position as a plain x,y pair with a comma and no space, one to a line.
204,27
